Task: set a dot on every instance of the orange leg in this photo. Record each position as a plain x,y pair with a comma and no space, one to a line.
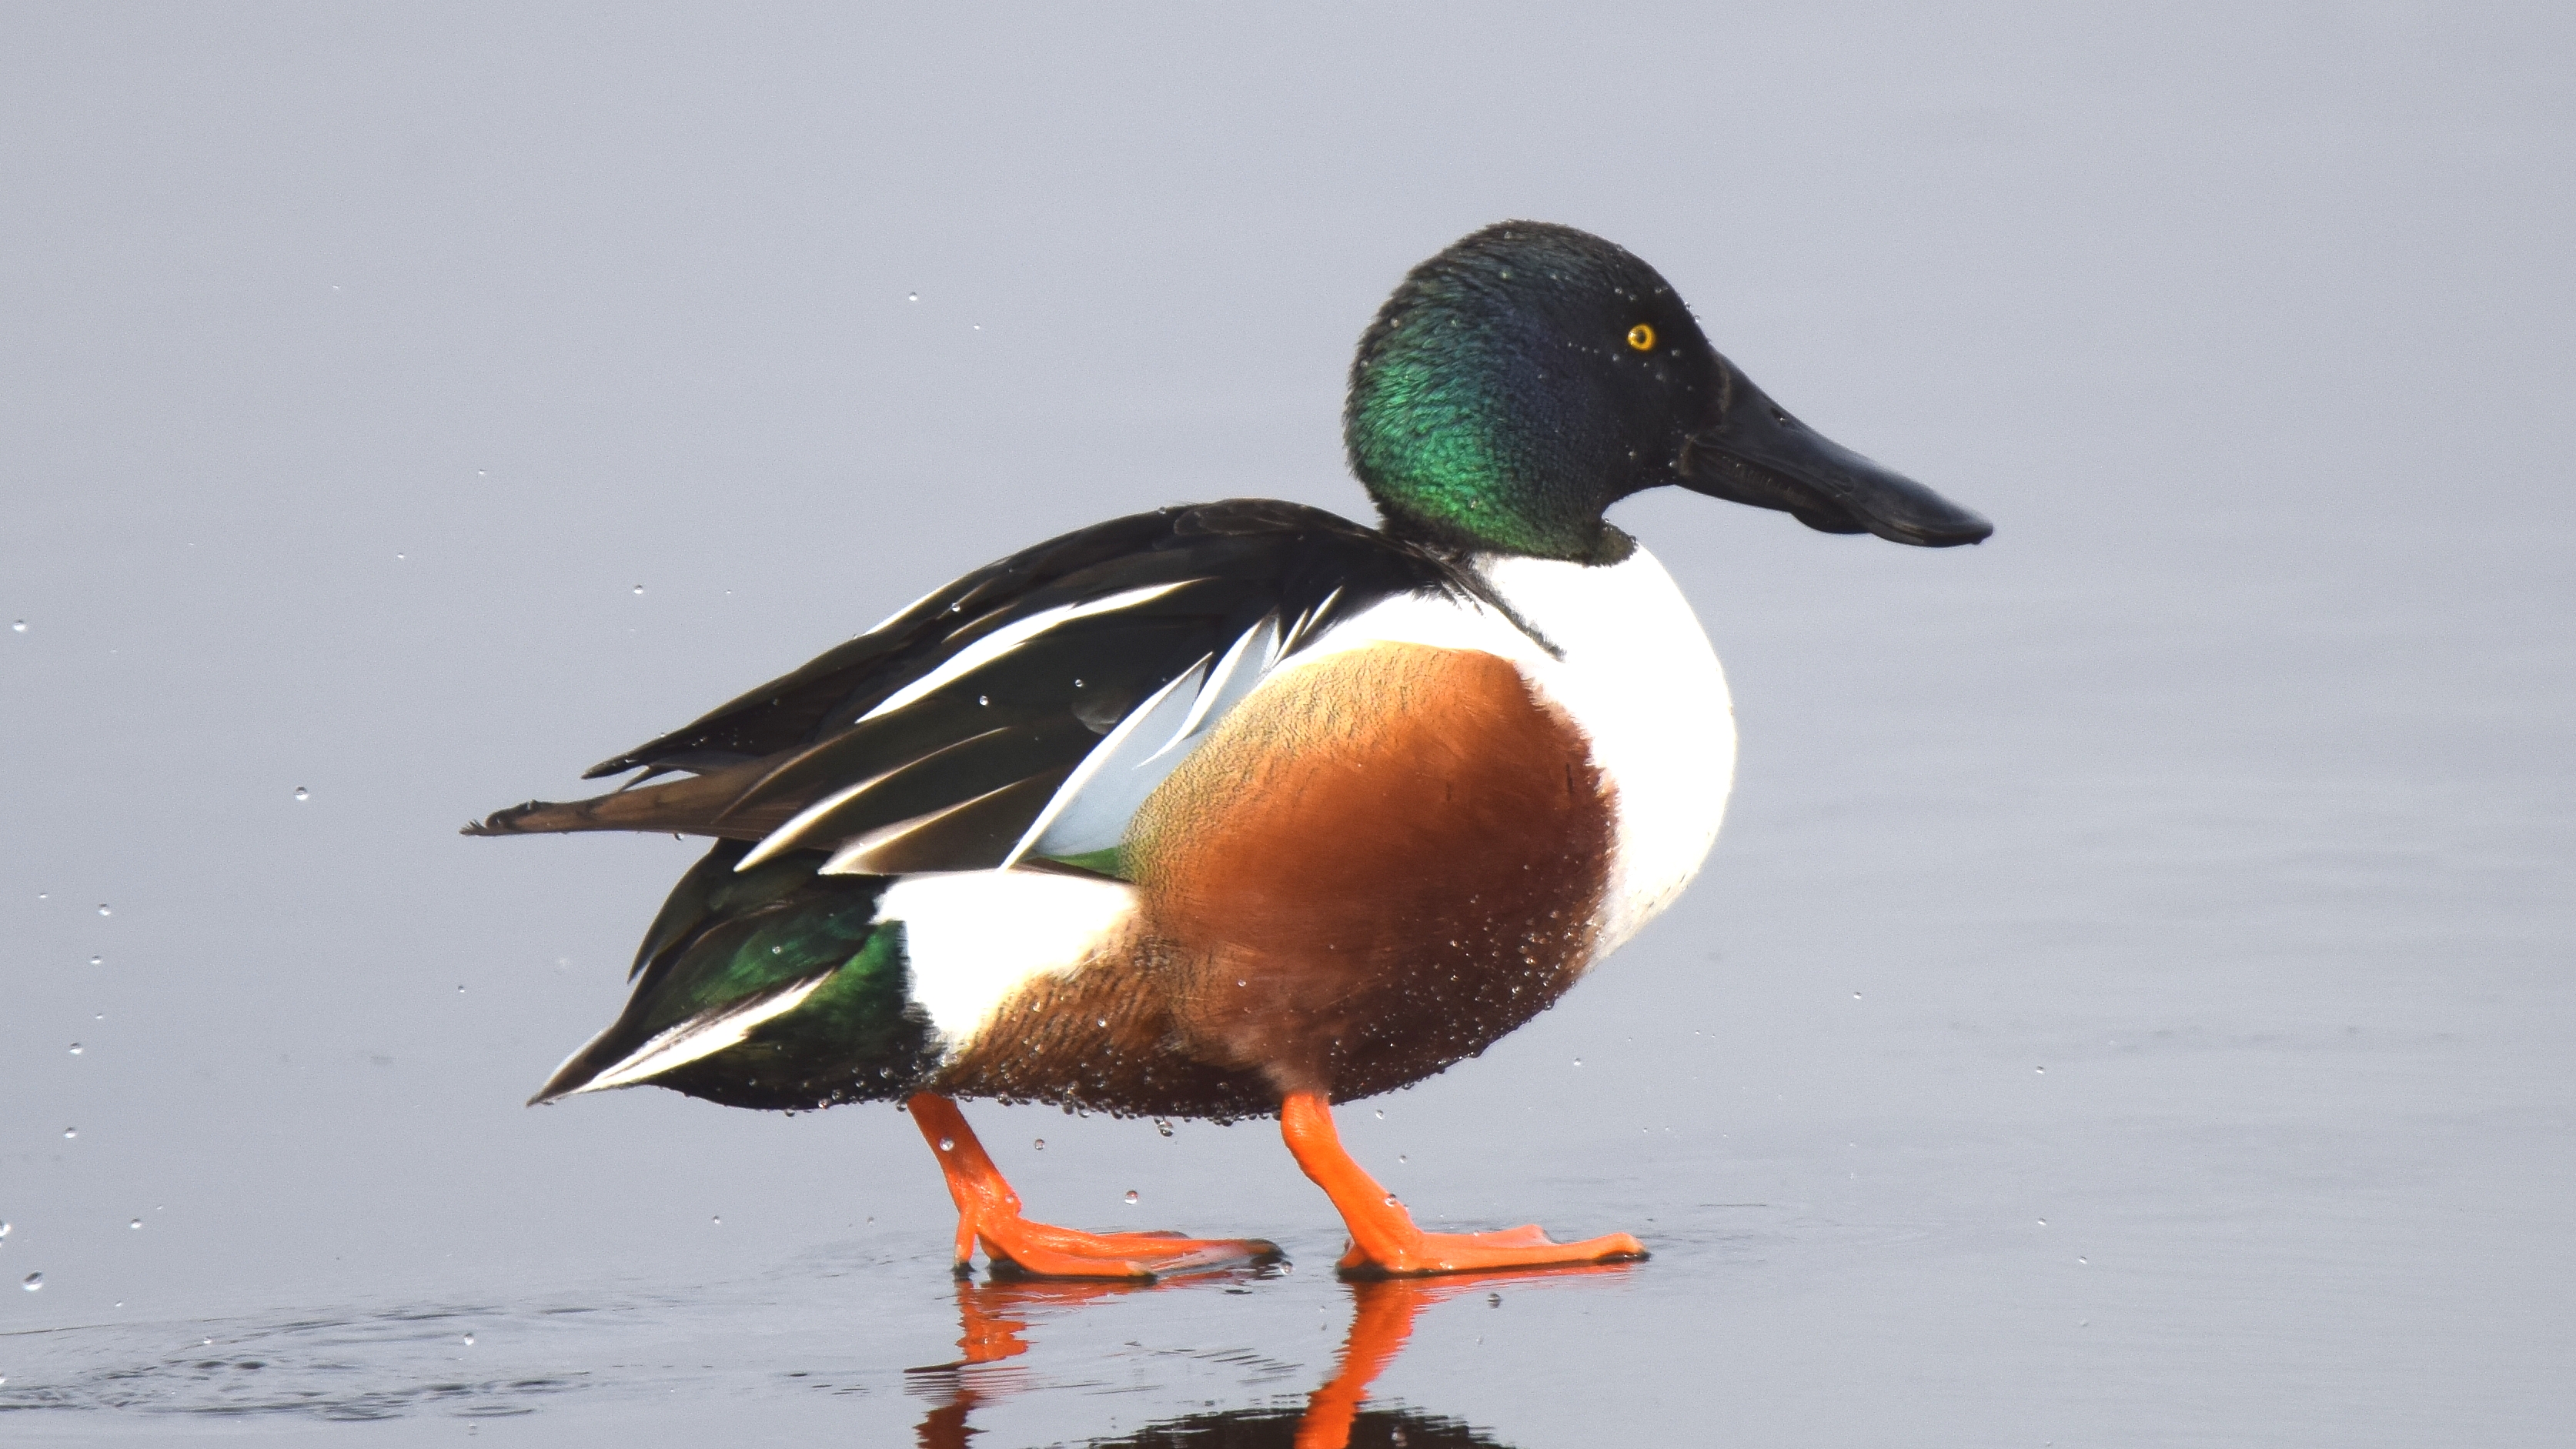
988,1211
1384,1241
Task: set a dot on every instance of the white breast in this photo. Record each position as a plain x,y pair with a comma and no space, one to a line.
1636,674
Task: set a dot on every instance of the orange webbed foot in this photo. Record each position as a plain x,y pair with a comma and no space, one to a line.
988,1212
1017,1247
1384,1241
1409,1252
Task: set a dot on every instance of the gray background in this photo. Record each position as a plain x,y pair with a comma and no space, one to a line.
361,368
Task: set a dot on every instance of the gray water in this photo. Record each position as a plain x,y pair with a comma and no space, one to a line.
2129,1003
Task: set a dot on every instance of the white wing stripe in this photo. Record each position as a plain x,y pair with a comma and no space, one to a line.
785,836
1092,763
1219,684
699,1037
1003,640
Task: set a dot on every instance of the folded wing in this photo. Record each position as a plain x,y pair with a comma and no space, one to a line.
1018,715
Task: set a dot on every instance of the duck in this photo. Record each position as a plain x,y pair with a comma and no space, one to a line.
1243,809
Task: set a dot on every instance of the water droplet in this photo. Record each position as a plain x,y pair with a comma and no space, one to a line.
135,1226
1578,1061
912,296
1131,1197
469,1340
1390,1199
639,591
103,910
460,989
70,1132
18,627
985,699
1855,996
1401,1158
2084,1260
1493,1300
76,1048
1163,1127
1041,1144
303,794
94,960
32,1282
1381,1114
1104,1021
947,1144
717,1221
4,1230
1077,684
2043,1071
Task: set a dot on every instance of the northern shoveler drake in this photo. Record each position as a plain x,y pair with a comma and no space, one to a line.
1242,809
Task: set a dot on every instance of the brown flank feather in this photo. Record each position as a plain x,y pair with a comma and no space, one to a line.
1376,868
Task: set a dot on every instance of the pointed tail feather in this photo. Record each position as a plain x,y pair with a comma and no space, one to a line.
773,987
695,805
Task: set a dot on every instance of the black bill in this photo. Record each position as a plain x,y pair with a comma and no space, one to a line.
1758,454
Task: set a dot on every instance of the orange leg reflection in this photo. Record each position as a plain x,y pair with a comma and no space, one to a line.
1382,1314
989,1211
1384,1241
993,1316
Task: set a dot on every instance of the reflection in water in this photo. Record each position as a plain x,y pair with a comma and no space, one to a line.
994,1316
787,1345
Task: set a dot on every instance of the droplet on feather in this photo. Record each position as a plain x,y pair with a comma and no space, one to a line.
1131,1197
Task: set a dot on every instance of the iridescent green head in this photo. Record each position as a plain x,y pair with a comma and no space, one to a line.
1530,376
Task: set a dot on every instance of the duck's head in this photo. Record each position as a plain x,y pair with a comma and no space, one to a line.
1522,381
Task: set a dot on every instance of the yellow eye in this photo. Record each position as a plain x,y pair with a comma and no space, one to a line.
1642,337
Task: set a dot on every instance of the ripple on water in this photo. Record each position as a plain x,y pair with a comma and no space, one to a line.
385,1365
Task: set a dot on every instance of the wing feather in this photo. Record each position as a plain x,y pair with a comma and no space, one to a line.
1022,711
